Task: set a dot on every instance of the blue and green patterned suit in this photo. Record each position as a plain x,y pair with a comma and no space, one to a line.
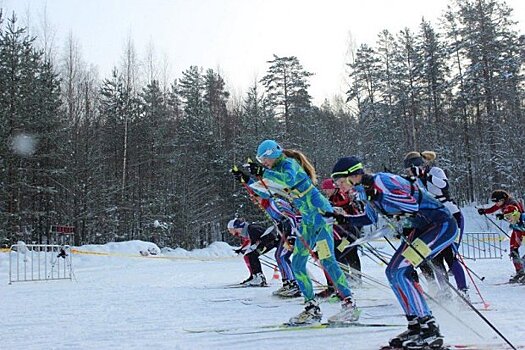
312,204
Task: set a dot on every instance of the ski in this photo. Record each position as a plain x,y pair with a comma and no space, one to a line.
261,305
508,284
233,286
457,347
244,286
288,327
224,300
270,305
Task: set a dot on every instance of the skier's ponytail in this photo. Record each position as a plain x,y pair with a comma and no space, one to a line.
305,163
429,156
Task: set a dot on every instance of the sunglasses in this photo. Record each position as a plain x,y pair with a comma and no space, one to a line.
265,154
510,216
409,163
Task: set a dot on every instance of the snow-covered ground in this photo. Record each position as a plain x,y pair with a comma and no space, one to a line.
126,301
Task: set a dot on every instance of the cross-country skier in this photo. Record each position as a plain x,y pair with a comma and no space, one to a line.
501,200
245,242
516,219
344,234
433,229
293,173
435,181
262,240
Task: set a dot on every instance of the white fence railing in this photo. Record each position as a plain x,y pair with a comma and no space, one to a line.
482,245
39,262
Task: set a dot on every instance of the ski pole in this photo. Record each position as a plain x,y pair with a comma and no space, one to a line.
367,245
485,304
373,258
482,278
267,261
499,228
473,246
267,264
364,275
349,269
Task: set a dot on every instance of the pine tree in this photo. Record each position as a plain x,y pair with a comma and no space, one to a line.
29,109
286,84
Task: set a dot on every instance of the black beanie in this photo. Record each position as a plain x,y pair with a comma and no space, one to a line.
347,166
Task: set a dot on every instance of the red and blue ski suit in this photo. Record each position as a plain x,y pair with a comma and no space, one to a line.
288,221
429,220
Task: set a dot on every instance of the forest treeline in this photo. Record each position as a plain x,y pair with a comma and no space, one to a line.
132,156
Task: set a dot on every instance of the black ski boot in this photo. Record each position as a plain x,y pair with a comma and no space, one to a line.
411,333
519,277
429,336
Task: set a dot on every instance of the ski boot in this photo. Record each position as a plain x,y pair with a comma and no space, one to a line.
258,281
519,277
410,334
311,314
349,313
292,291
284,288
429,336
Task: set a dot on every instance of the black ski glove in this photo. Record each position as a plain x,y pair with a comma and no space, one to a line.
239,251
500,216
239,175
256,169
368,183
481,211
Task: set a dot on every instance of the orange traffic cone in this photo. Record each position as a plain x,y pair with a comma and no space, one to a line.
276,275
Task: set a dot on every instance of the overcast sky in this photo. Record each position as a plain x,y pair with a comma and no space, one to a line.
236,37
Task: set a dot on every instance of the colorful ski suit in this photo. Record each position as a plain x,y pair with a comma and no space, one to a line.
313,230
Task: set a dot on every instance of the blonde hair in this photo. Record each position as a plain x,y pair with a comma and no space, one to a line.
303,161
428,156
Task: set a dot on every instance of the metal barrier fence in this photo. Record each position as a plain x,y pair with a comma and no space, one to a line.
39,262
482,245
